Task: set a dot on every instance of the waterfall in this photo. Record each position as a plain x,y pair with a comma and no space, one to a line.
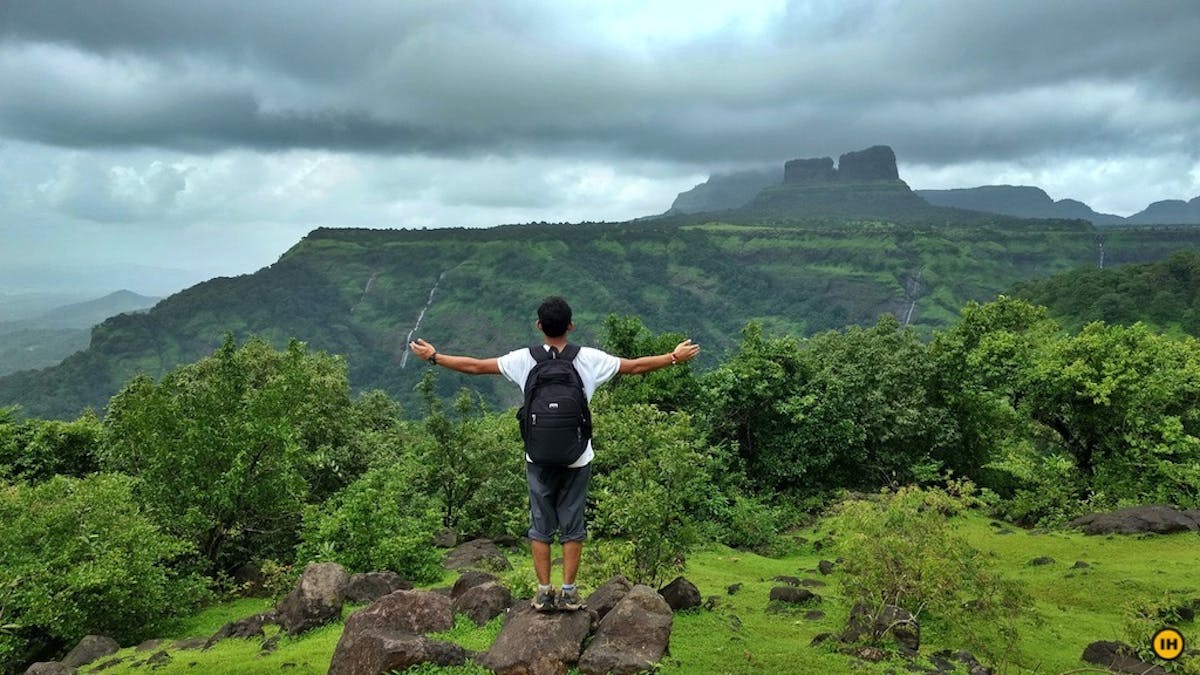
417,325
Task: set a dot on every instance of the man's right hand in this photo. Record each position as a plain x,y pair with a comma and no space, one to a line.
422,349
685,351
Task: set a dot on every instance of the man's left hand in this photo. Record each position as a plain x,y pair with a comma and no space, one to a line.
422,349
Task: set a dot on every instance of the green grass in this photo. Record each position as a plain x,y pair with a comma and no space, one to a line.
1073,607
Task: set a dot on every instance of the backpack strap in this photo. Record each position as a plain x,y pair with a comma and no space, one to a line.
540,353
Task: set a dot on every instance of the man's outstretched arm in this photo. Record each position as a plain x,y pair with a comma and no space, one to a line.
684,351
463,364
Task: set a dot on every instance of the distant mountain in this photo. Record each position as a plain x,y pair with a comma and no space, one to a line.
89,281
1022,201
1168,212
57,333
724,191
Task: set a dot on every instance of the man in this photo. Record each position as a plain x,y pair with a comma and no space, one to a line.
557,494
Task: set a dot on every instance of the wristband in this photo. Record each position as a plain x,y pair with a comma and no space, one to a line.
432,359
674,361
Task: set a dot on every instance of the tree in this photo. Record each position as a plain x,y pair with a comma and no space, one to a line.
220,446
36,450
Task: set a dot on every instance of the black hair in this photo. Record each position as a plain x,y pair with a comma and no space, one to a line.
555,316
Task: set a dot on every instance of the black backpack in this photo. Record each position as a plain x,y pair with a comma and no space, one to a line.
555,421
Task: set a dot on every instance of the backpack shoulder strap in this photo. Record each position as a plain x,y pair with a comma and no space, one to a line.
569,352
539,353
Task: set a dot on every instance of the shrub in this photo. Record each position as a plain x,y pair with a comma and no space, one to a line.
35,450
899,550
380,522
651,482
78,556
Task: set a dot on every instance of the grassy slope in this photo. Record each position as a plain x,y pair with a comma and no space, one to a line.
1073,608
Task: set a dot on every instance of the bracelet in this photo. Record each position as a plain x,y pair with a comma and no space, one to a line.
674,361
432,359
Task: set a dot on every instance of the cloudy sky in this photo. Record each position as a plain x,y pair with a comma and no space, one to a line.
210,136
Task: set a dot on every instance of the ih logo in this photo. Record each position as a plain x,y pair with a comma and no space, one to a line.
1167,644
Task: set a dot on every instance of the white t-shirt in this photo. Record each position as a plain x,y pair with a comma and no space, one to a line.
594,367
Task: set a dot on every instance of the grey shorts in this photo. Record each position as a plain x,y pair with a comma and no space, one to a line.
556,500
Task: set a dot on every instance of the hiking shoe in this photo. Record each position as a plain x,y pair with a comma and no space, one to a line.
544,601
570,600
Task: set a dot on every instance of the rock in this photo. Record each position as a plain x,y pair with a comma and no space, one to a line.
50,668
90,648
711,602
790,581
819,638
470,579
871,654
249,627
825,567
812,583
633,637
149,644
877,162
1138,520
370,586
733,588
372,651
190,643
603,599
793,595
105,665
814,615
813,170
415,612
477,554
681,594
532,643
484,602
158,660
1079,565
1118,658
316,600
900,622
271,644
447,538
1041,560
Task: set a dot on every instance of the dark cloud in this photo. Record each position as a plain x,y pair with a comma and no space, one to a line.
941,81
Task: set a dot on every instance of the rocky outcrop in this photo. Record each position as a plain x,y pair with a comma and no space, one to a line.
90,648
681,594
316,600
815,170
603,599
249,627
484,602
1118,658
877,162
50,668
632,637
370,586
1139,520
375,651
793,596
468,580
533,643
416,612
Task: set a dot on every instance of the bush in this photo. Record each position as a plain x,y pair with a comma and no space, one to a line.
35,450
380,522
650,485
78,556
899,550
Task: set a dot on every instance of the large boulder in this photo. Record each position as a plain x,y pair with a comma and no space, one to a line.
484,602
1139,520
632,637
50,668
415,612
249,627
867,622
793,595
370,586
603,599
316,600
376,651
1118,658
681,594
90,648
538,643
468,580
481,554
875,163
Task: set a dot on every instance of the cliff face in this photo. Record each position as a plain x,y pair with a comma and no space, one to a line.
724,191
877,162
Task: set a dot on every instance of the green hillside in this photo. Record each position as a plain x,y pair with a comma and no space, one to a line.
1164,294
359,292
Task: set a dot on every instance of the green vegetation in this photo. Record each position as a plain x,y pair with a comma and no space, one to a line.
358,293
